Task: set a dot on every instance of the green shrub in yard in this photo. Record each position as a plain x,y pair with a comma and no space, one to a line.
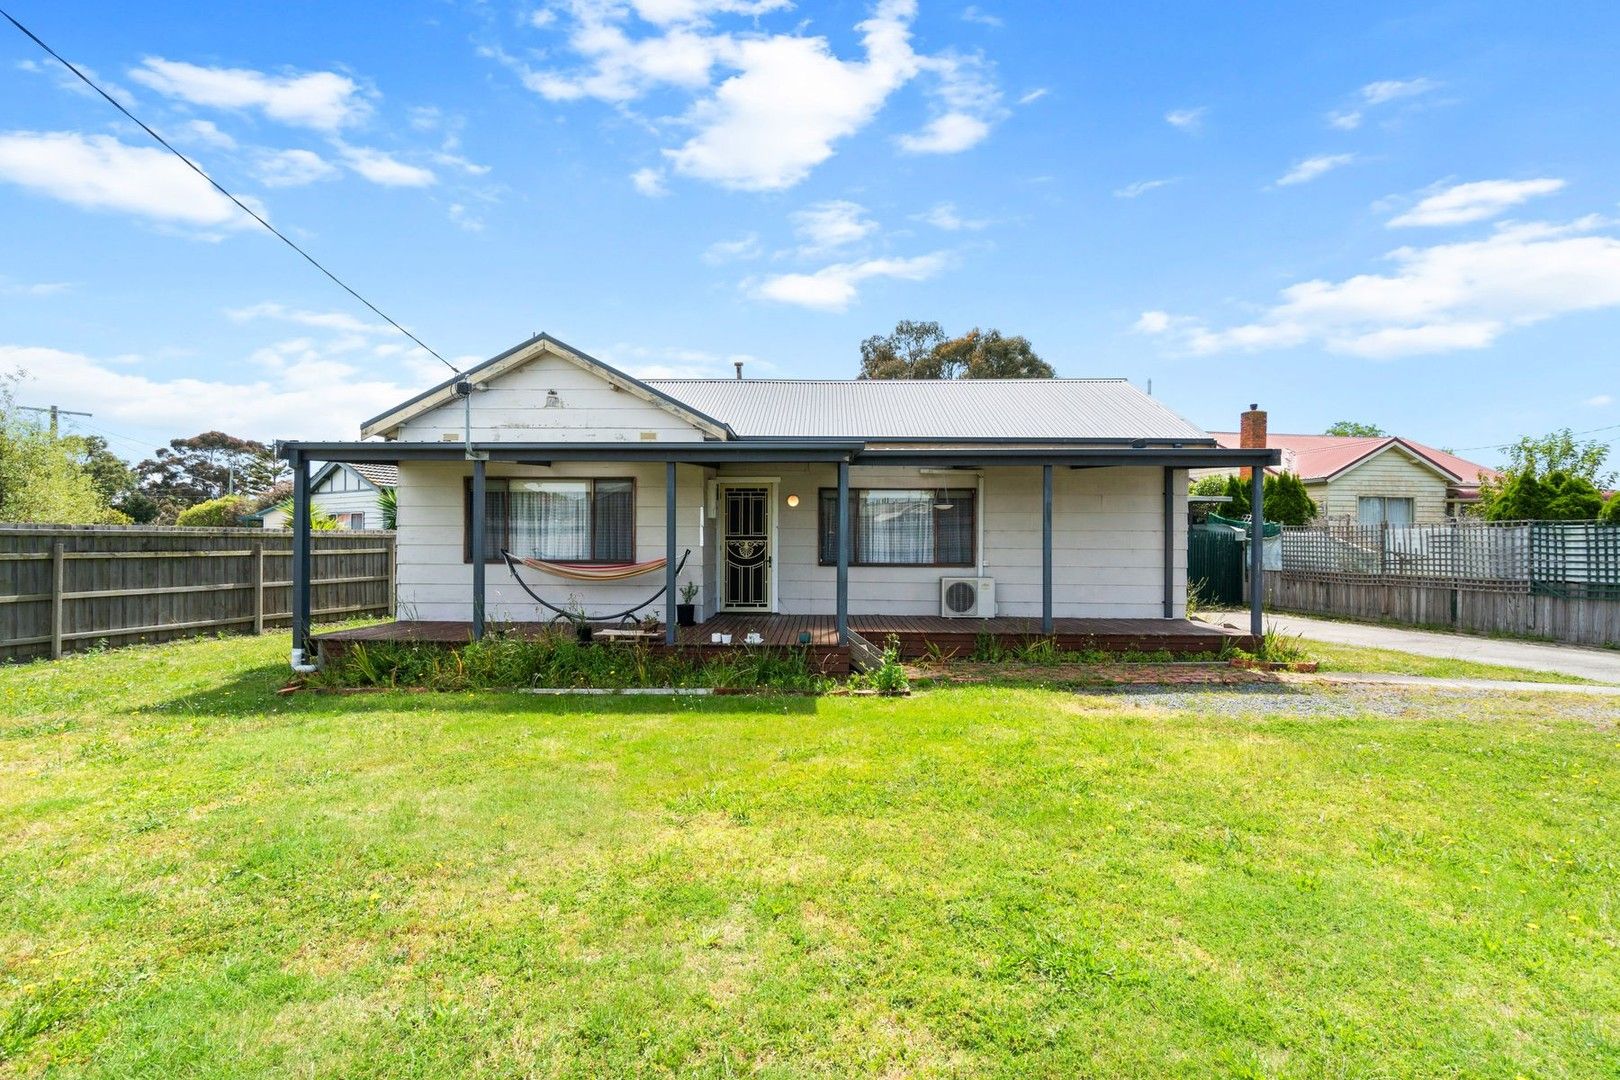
560,660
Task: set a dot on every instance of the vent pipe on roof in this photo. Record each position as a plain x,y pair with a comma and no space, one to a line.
738,365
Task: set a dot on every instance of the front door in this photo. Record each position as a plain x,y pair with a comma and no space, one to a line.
745,568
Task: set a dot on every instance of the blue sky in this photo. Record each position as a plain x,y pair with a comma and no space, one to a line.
1402,213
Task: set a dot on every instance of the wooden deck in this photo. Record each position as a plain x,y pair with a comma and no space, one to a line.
818,634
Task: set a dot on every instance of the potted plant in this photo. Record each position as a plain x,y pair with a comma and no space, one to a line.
686,610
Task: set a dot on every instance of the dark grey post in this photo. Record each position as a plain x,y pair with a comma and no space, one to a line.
1046,549
843,553
478,541
1257,543
669,553
300,554
1169,542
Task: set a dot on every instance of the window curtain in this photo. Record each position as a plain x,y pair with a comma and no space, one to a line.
895,527
551,519
902,527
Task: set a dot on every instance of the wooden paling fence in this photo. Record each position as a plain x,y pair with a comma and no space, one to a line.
1552,579
72,588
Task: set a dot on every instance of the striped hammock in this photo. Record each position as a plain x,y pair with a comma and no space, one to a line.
596,571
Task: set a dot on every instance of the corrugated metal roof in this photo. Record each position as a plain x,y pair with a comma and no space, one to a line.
942,409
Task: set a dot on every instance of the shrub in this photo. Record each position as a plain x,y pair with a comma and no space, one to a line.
1559,496
215,513
559,659
1610,514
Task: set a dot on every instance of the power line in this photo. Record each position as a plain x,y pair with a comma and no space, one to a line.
217,187
1508,445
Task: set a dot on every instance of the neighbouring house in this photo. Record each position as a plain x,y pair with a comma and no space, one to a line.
1035,500
351,493
1371,480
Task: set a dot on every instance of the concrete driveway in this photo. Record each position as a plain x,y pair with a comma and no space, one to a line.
1600,664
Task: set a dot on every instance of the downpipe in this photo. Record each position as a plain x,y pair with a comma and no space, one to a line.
298,664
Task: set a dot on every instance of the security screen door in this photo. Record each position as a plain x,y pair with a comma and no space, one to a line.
746,570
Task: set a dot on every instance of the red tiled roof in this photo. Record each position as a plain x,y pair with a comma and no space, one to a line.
1317,457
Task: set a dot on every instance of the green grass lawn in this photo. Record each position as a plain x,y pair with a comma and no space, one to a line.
199,878
1362,658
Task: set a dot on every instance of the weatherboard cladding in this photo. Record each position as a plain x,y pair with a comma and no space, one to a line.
877,410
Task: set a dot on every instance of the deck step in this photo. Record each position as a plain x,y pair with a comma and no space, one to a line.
863,655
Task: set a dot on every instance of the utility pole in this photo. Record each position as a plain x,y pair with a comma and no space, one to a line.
56,412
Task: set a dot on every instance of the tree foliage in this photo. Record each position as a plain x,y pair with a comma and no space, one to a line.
42,478
227,510
1286,500
1610,514
388,503
1554,477
208,466
1355,429
110,473
1208,485
920,350
1558,496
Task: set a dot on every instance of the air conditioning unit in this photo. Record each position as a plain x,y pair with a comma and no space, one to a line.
967,597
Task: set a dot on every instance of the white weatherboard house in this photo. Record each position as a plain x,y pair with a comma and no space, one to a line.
352,494
1038,502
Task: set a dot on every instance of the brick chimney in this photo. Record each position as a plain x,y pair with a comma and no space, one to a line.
1252,431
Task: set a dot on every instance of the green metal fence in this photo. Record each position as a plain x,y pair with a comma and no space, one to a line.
1215,566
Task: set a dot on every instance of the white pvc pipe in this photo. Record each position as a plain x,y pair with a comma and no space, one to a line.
296,660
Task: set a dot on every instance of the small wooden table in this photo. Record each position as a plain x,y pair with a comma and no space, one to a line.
613,636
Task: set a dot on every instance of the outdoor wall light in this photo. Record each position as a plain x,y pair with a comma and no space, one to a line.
793,500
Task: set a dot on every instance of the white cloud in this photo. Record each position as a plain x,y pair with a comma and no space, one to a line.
291,168
967,91
1034,95
665,12
945,216
948,134
836,223
973,14
98,172
1599,401
32,288
1153,322
767,126
308,391
1462,295
1310,168
649,182
834,288
466,219
322,320
1375,94
766,108
1475,201
383,168
1187,119
323,100
1142,187
207,133
739,250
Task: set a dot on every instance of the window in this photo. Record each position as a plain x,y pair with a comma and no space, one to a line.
901,527
351,521
1383,510
565,520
